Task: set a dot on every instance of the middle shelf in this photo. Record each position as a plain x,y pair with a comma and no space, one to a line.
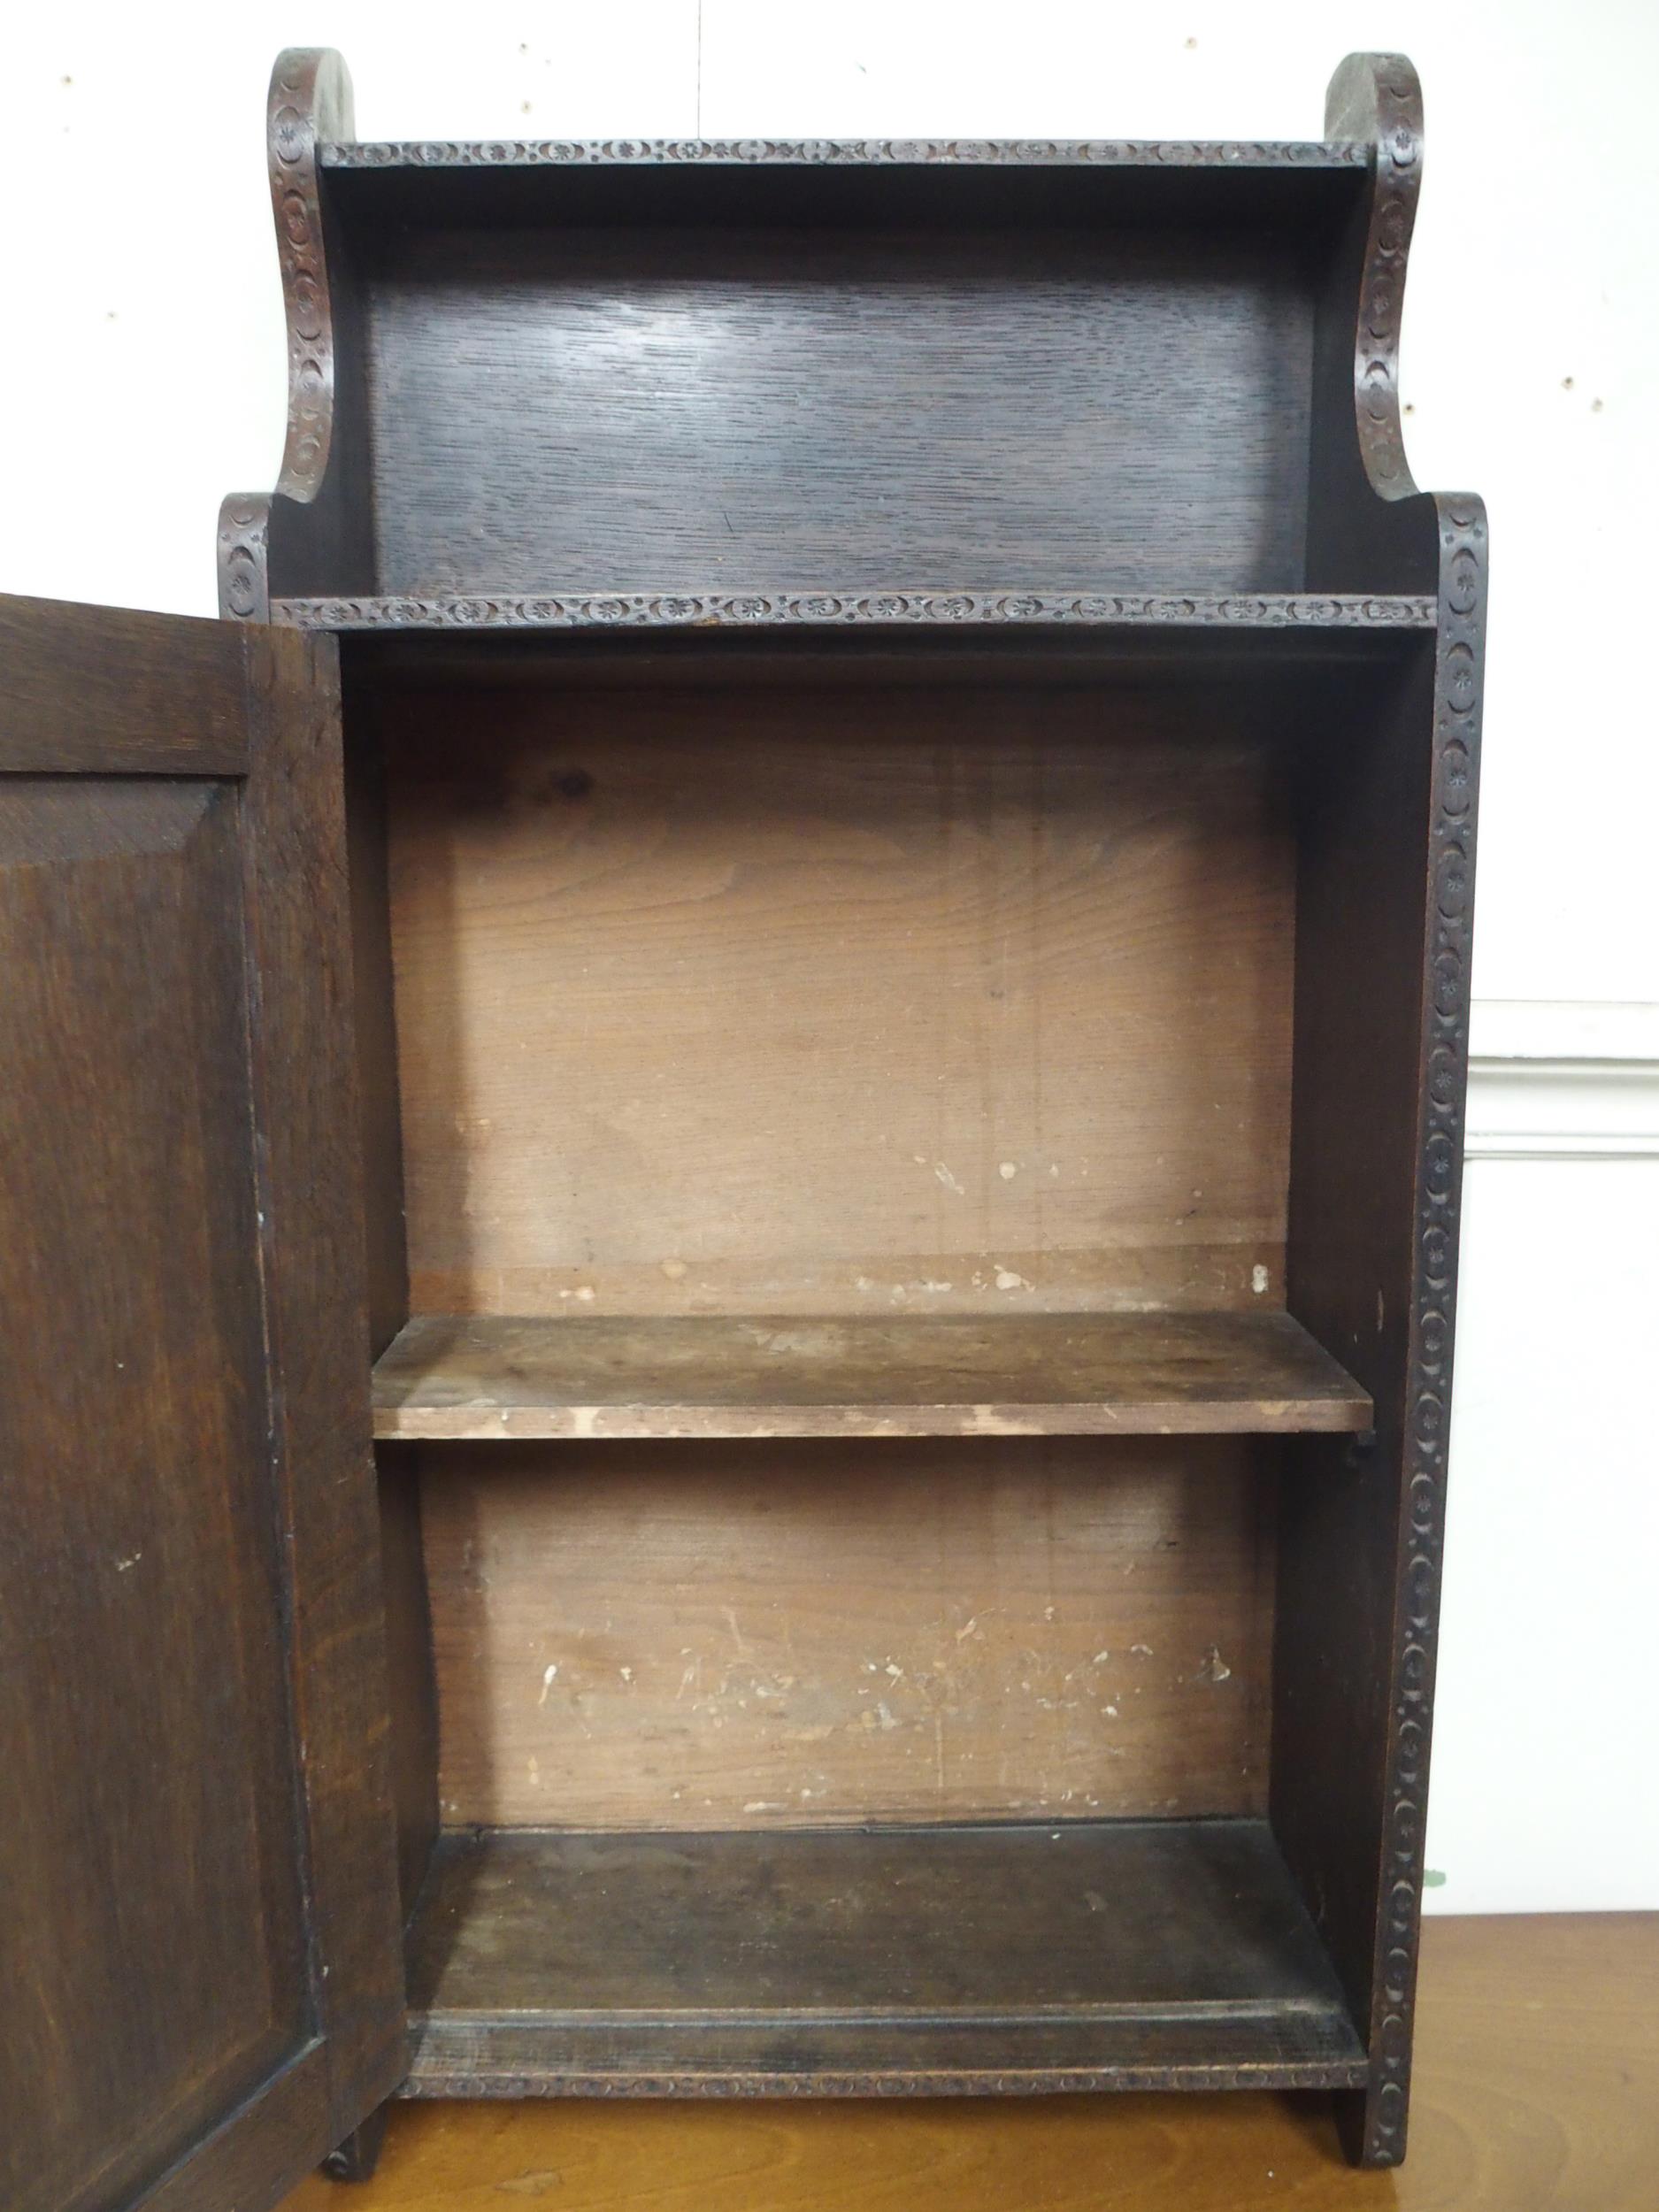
1057,1374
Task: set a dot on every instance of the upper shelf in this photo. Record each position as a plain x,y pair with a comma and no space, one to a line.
1301,613
860,183
789,382
497,153
495,1376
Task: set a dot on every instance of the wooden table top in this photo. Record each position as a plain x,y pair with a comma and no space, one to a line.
1536,2090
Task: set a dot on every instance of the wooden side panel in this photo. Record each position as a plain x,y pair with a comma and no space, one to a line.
375,1033
863,1002
411,1685
1382,1044
199,1948
310,1157
1357,1076
1385,913
413,1745
700,1635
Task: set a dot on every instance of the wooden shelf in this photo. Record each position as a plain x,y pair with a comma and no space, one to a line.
704,153
853,1961
1281,620
961,1375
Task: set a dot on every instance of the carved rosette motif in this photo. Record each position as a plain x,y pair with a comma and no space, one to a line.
1394,214
243,589
1377,98
297,92
670,610
524,153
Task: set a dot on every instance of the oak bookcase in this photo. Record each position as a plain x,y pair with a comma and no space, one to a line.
738,1134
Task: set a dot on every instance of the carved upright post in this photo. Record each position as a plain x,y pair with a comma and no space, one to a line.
1364,1739
311,525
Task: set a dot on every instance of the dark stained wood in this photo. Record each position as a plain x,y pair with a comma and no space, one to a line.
922,1375
782,450
1034,189
134,1572
200,1956
1157,156
1273,626
814,1632
305,1067
1384,918
1536,2090
858,1962
410,1688
375,1029
1022,378
318,524
357,2158
87,690
410,1683
929,411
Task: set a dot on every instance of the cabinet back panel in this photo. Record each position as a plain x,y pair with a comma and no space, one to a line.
685,410
872,1002
776,1634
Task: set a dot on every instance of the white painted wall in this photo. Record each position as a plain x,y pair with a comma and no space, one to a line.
1545,1792
144,378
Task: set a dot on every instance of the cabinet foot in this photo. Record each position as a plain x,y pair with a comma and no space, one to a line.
1371,2126
356,2159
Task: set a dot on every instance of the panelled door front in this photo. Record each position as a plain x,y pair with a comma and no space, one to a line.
200,1977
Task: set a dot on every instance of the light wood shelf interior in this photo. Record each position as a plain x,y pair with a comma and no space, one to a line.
494,1376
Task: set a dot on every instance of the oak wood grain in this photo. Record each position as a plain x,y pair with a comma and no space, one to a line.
137,1561
720,403
200,1956
1536,2090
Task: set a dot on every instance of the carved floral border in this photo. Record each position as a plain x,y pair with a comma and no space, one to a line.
525,153
1379,93
309,92
670,610
1457,686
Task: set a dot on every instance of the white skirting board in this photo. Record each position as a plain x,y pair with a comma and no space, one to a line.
1549,1080
1546,1785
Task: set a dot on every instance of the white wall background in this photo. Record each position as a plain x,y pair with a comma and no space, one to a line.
145,378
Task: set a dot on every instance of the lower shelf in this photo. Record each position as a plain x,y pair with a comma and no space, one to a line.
1129,1954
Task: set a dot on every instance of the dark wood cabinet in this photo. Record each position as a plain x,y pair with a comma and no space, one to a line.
732,1148
200,1949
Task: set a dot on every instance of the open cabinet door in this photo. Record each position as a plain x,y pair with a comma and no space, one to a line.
200,1972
